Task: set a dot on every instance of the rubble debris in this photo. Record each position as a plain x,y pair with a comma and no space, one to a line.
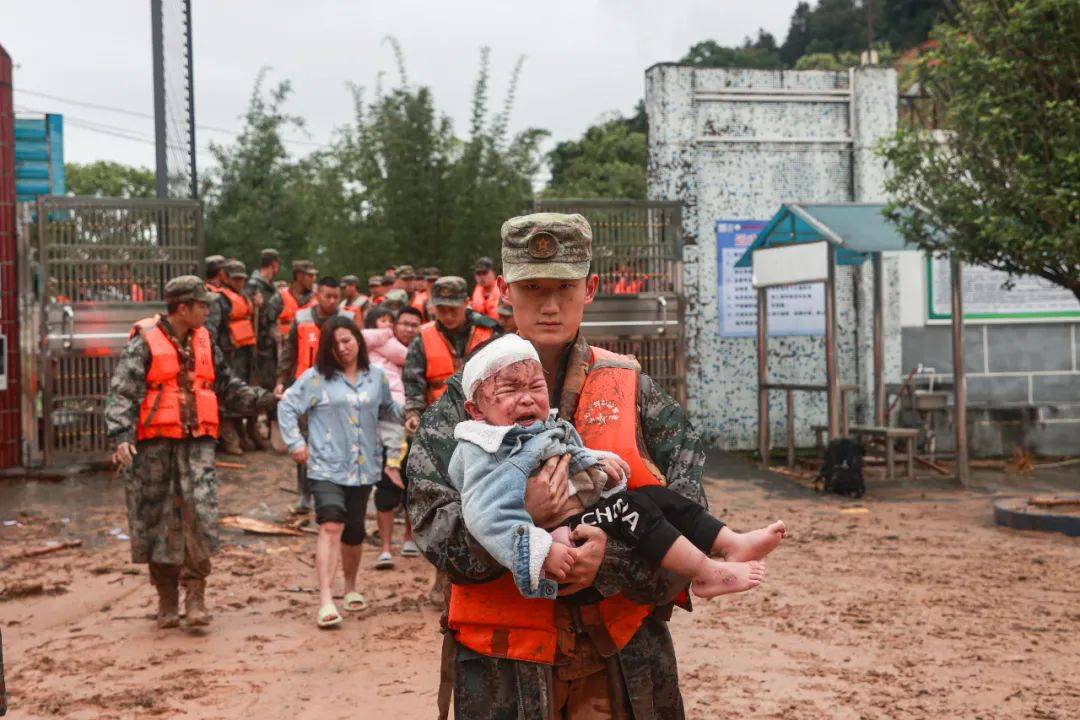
257,527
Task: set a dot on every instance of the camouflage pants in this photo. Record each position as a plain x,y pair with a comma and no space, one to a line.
171,493
240,361
489,688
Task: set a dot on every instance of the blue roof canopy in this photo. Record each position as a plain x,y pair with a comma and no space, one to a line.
856,228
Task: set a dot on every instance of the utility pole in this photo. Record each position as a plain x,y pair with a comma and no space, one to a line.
869,5
157,41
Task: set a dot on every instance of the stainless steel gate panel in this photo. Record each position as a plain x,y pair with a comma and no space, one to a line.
639,308
102,264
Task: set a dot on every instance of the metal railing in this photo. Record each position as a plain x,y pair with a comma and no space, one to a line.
91,267
637,244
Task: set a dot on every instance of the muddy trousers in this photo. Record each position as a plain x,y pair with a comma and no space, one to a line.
640,682
487,688
171,575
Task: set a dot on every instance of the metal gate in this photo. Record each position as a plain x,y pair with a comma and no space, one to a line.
639,308
94,266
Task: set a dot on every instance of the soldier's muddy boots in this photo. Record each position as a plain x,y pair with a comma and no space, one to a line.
228,438
195,603
246,441
168,614
254,431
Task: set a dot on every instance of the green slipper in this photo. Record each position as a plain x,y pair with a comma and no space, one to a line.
329,616
354,602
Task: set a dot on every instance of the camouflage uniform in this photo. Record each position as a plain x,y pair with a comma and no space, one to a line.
171,487
276,305
643,675
219,306
451,291
264,361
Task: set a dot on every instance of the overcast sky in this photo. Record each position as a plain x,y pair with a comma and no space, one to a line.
584,58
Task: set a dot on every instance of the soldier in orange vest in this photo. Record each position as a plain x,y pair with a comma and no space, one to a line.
437,352
560,658
486,294
298,354
162,415
260,288
218,325
377,286
288,300
431,275
239,324
352,299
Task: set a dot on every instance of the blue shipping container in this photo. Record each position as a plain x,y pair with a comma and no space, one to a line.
39,156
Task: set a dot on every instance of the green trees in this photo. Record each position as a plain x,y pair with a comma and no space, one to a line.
254,196
1001,185
109,179
608,161
758,54
394,186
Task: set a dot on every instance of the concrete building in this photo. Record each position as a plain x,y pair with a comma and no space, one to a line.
732,145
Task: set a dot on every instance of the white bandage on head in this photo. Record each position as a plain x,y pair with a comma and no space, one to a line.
495,356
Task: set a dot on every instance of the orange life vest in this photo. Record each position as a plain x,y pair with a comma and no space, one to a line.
357,309
420,300
493,618
160,415
289,307
442,361
486,305
241,328
307,337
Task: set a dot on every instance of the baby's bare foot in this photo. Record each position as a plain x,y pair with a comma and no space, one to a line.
756,544
721,578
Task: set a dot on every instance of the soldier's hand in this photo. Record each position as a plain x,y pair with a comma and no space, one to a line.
279,391
547,491
395,477
412,423
300,456
589,557
124,455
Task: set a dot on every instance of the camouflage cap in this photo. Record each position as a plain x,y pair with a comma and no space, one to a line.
449,291
505,308
484,264
304,266
350,280
213,264
546,245
268,255
405,272
188,288
235,268
376,281
431,273
396,299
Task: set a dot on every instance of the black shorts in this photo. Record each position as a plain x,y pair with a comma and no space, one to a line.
651,519
388,496
341,504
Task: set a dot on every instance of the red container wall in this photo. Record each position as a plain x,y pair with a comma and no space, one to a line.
9,326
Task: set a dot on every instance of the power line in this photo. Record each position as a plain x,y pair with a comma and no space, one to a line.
148,116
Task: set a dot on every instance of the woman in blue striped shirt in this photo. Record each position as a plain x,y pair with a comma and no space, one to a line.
344,398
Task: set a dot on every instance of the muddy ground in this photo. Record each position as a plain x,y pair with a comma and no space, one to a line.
907,604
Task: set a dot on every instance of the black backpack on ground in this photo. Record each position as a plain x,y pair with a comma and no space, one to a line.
842,471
